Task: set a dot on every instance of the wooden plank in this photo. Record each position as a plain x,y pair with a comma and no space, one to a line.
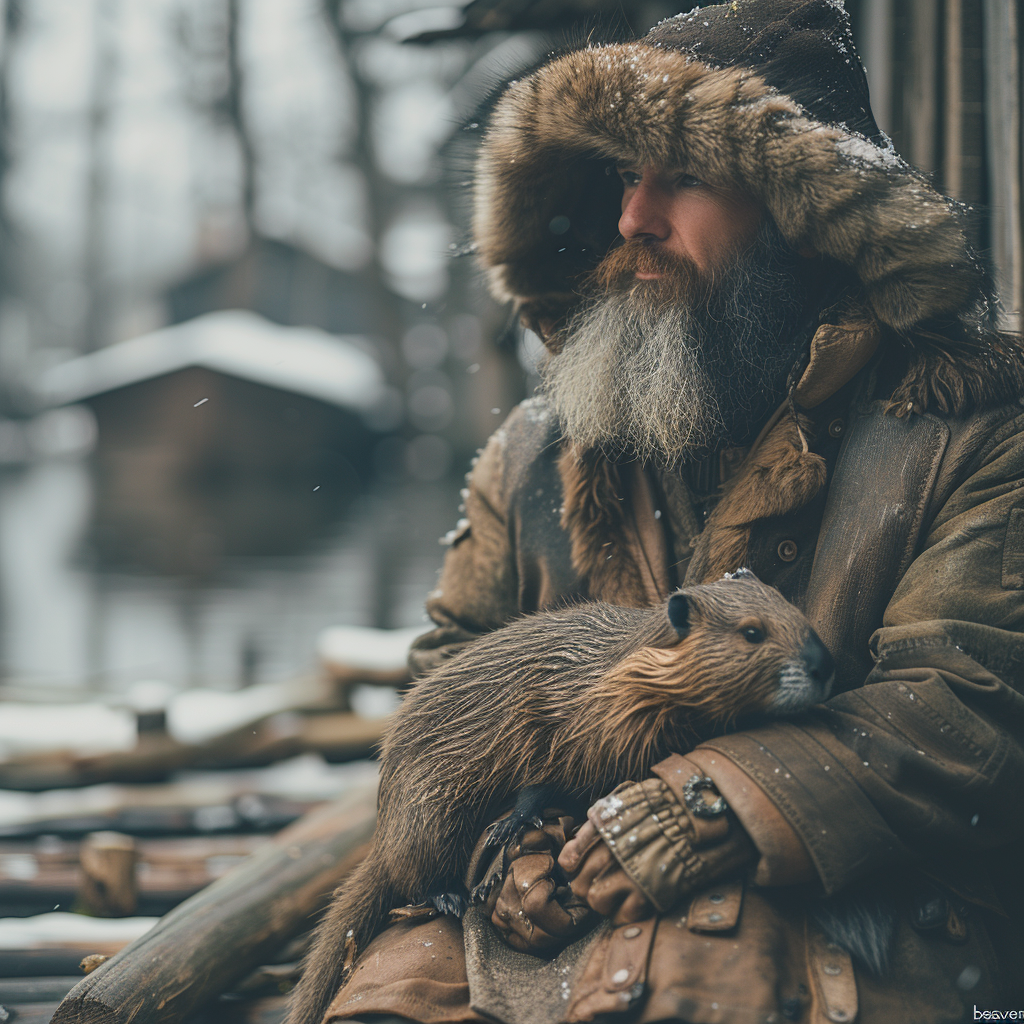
249,811
921,99
37,990
40,963
212,940
1003,101
877,46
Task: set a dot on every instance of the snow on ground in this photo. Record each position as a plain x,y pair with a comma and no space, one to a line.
61,930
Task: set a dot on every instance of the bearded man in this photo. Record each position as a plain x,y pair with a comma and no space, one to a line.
768,349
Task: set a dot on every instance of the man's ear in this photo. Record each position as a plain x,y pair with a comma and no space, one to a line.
679,613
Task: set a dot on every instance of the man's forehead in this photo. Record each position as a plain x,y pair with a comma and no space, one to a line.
637,165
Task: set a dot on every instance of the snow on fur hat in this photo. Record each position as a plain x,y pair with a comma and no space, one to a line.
767,96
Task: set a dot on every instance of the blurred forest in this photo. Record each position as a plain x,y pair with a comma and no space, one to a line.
305,160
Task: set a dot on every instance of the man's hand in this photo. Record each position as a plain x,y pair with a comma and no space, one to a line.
532,908
642,851
598,879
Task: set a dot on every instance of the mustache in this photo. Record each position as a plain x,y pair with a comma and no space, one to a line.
679,280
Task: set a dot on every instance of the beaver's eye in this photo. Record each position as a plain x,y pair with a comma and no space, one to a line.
752,635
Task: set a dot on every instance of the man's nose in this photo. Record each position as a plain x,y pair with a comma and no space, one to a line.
643,213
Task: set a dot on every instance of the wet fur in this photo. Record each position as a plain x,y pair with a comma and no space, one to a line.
581,698
862,921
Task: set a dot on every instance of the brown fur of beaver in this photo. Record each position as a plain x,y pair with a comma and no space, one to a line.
577,700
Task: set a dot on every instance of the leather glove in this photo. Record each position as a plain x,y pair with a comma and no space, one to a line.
641,850
532,907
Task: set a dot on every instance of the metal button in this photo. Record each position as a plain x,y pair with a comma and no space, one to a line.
631,932
835,428
833,969
714,918
716,897
787,550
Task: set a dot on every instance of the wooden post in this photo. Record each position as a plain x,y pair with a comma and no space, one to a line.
109,887
209,942
1002,106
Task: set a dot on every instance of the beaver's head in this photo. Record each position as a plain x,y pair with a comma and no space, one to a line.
752,651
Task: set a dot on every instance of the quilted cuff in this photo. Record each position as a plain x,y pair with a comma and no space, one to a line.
651,836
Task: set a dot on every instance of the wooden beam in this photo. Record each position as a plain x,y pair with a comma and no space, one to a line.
1002,104
211,941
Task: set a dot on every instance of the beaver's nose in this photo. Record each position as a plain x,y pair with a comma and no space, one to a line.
818,662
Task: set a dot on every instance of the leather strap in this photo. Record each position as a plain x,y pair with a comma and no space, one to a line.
834,1000
716,909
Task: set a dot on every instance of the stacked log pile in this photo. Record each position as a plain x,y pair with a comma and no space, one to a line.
190,899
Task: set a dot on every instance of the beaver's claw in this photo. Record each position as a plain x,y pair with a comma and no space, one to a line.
480,892
509,829
451,903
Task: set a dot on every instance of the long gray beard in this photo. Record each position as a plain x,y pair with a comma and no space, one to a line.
662,383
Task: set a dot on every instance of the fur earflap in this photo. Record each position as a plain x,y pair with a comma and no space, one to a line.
593,517
779,476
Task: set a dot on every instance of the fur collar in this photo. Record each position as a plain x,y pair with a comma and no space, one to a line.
780,475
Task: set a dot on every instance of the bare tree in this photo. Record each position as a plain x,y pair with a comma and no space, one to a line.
95,269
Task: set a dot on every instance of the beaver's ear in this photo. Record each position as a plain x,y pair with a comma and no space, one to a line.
679,613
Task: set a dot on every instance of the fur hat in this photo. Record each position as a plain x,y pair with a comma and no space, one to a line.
803,48
767,96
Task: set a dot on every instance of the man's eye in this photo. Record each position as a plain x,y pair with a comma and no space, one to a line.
629,178
688,181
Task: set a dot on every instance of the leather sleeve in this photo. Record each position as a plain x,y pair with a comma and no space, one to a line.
925,760
477,590
509,556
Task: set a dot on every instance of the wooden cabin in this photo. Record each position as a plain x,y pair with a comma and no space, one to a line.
226,435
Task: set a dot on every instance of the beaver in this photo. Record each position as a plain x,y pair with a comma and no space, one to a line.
572,701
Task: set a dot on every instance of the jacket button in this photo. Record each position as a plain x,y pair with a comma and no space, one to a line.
835,428
787,550
631,932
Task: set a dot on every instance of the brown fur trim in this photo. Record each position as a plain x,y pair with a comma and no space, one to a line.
779,476
959,370
592,515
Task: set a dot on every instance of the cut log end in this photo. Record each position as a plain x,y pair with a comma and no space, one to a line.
86,1011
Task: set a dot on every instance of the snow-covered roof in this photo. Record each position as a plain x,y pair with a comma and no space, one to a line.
236,342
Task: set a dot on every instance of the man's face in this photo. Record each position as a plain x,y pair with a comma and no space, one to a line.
689,328
675,212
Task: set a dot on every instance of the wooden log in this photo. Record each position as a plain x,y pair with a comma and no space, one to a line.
209,942
108,887
338,735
